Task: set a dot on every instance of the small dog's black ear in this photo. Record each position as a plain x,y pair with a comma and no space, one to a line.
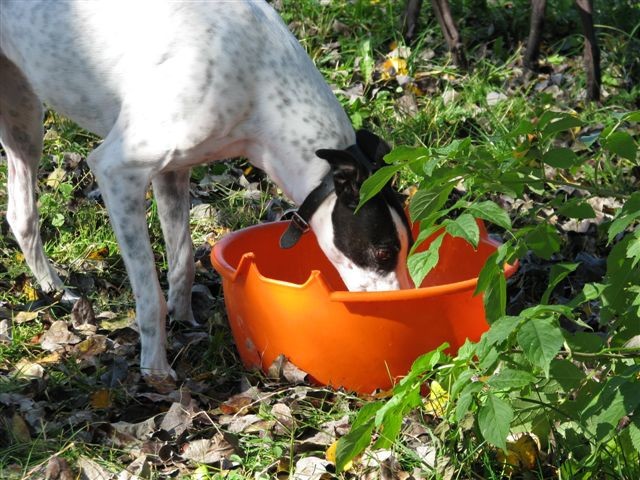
373,147
348,175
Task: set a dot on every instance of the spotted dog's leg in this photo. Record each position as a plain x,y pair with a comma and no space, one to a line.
171,190
21,135
123,181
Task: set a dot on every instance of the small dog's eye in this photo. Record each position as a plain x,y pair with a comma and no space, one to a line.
383,254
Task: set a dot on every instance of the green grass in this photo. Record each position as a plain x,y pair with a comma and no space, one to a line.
346,40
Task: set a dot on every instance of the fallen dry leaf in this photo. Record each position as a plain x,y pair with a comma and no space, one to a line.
98,254
180,416
239,423
138,469
5,331
82,313
58,469
208,450
283,369
19,430
521,455
27,369
116,374
285,421
122,434
101,399
58,336
90,347
56,177
91,470
240,402
311,468
23,317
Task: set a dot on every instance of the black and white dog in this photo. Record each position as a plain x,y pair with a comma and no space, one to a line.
170,85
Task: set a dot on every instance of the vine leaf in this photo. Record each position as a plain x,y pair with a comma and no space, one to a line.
540,339
494,418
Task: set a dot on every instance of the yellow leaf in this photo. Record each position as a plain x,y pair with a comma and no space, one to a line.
29,291
101,399
56,177
392,67
330,455
521,455
98,254
438,399
49,359
19,257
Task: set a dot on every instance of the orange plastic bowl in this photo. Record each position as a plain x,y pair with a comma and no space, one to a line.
293,302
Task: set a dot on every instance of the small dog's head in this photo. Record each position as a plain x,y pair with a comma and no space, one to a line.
368,247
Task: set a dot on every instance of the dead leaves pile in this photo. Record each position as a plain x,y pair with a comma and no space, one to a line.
80,401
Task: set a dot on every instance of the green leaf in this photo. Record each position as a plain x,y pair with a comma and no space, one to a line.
559,272
633,248
509,378
426,363
57,220
492,282
463,380
404,154
524,127
495,297
632,116
618,397
466,399
561,158
359,437
367,62
553,122
490,212
421,263
390,428
489,358
622,144
577,208
543,240
629,213
353,444
590,291
585,342
423,236
455,148
376,182
566,374
542,310
466,227
494,419
501,329
540,340
634,432
426,202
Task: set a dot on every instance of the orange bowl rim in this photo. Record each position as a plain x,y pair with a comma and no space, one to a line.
344,296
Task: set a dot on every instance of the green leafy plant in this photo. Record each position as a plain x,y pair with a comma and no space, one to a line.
578,391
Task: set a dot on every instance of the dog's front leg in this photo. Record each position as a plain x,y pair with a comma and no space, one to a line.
123,181
171,190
